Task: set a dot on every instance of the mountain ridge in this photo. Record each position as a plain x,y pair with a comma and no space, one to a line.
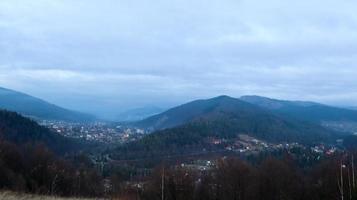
303,110
140,113
233,116
191,127
37,108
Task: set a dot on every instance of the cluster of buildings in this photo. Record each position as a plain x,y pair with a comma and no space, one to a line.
199,165
247,144
324,150
96,131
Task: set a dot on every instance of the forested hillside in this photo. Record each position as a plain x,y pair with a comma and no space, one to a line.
19,130
32,160
307,111
38,108
223,118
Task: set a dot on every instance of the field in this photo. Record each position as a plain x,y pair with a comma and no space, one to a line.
6,195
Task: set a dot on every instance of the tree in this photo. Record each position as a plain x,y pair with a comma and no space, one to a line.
233,178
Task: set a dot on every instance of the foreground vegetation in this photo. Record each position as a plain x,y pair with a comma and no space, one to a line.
35,169
284,177
272,179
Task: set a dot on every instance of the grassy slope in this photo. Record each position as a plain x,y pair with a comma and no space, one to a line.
6,195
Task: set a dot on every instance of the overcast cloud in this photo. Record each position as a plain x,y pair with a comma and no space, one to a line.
101,55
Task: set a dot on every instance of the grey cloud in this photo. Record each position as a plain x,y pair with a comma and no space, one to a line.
95,55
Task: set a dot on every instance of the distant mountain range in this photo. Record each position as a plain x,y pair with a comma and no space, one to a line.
340,119
139,113
308,111
36,108
189,127
226,116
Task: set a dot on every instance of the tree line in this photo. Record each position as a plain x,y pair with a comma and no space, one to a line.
35,169
272,179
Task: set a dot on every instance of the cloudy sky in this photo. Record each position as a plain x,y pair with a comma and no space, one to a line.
105,55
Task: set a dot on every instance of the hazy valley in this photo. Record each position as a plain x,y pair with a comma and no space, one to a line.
200,137
178,100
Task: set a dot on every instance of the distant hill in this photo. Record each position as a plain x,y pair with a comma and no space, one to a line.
138,113
19,130
307,111
187,128
227,116
37,108
186,113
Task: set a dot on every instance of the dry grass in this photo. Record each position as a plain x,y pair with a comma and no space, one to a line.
6,195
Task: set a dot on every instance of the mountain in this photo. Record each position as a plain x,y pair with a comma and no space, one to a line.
190,111
307,111
190,128
229,116
139,113
19,130
37,108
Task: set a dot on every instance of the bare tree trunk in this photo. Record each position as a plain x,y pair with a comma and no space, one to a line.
340,182
163,184
353,173
349,183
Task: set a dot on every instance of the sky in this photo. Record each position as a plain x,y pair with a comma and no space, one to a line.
103,56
